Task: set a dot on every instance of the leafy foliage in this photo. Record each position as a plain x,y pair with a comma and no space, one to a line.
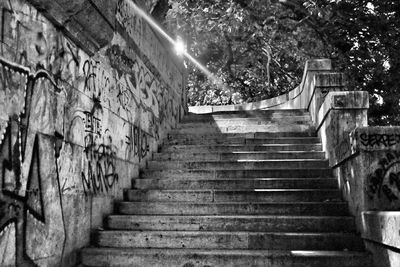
258,47
245,44
365,39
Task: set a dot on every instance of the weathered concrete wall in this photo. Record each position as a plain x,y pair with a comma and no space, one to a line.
374,157
366,162
85,98
371,183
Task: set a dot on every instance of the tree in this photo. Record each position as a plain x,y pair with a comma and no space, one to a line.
252,46
258,48
365,38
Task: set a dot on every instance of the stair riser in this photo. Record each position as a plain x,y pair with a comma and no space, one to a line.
248,116
256,113
227,241
167,165
158,259
202,174
250,224
207,118
305,209
242,148
234,184
244,123
241,141
244,119
248,129
232,196
238,156
255,135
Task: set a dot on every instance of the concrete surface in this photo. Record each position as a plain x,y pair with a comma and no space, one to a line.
82,107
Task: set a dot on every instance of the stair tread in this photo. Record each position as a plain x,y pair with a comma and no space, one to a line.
228,137
311,233
239,178
249,217
235,190
250,152
244,179
175,134
169,257
238,145
245,160
229,239
213,233
238,203
216,170
232,223
266,253
244,139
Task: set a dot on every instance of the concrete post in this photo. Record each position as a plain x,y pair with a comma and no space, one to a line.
339,114
321,85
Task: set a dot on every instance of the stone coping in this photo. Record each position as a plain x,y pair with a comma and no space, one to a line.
342,100
382,227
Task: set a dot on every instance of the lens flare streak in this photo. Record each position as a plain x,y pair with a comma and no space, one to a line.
176,44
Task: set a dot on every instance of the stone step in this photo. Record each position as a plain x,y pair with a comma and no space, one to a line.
238,155
232,208
255,113
254,135
241,174
243,148
244,141
244,117
105,257
244,165
228,223
257,195
249,183
228,240
247,129
244,123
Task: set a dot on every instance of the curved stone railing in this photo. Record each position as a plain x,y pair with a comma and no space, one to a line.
300,97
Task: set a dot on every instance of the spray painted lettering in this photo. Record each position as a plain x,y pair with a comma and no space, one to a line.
385,180
137,142
22,193
386,140
100,175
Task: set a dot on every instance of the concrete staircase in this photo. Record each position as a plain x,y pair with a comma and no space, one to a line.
233,189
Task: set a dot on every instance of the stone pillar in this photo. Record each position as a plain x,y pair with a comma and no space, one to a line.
302,96
321,85
339,114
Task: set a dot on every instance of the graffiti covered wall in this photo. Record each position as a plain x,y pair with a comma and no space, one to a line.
74,129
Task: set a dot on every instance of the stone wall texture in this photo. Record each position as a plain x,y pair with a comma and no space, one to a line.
369,176
85,98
